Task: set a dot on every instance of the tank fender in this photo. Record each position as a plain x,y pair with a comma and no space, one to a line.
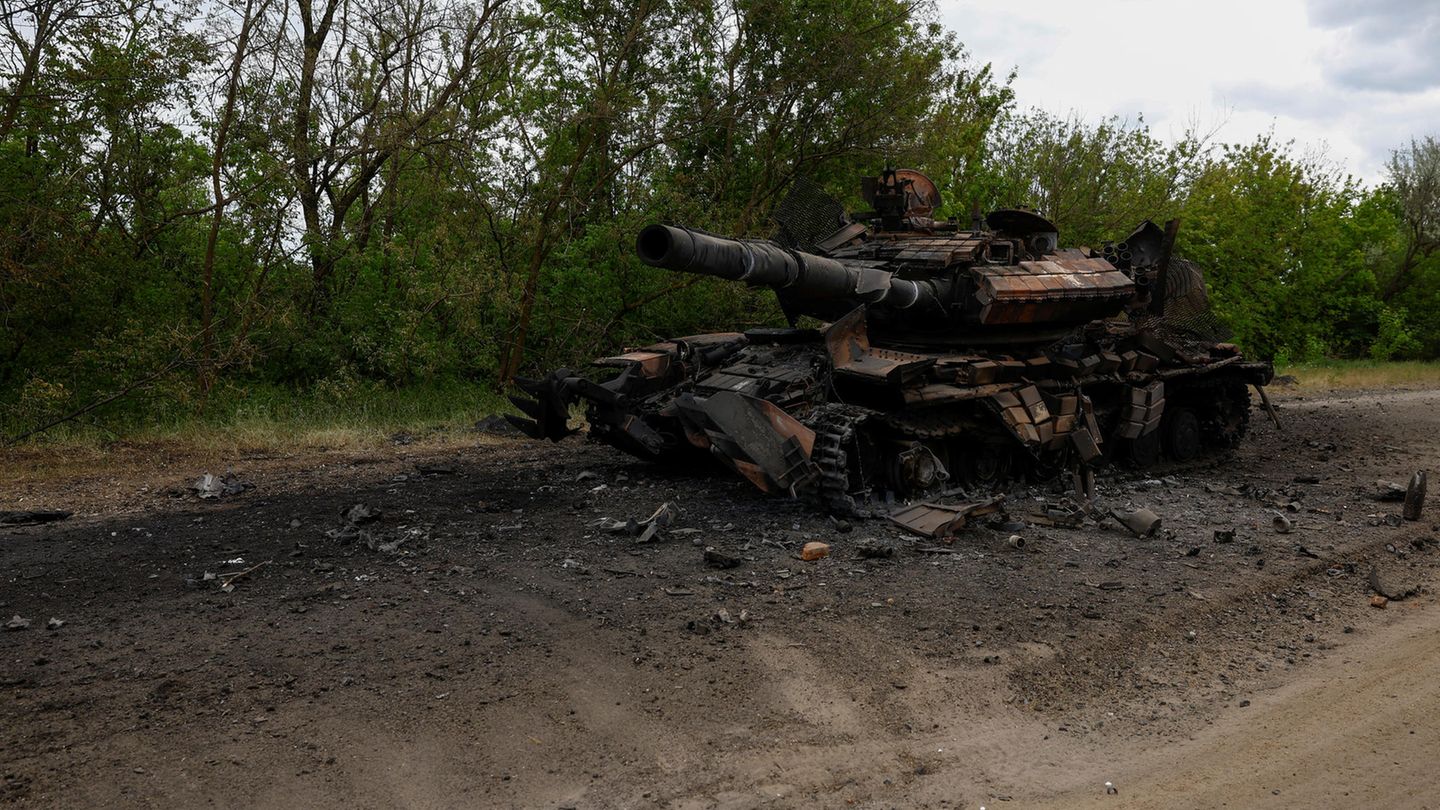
759,440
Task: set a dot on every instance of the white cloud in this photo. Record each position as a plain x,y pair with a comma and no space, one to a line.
1351,80
1384,45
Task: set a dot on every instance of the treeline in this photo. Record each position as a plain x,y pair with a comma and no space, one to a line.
334,194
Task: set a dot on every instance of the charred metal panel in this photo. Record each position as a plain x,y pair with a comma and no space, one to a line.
750,431
652,365
940,520
851,354
1062,289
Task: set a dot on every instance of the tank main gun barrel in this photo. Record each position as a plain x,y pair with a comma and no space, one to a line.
794,273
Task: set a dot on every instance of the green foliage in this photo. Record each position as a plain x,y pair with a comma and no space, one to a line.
1290,249
1096,182
1396,338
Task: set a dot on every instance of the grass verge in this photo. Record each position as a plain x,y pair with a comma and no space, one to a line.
1329,375
259,418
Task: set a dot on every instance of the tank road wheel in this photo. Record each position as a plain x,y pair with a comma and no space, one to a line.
1048,466
982,465
1144,451
915,468
1182,434
1224,423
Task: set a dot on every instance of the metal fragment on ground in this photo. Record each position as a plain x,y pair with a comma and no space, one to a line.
719,559
1140,522
210,487
1415,496
1389,492
938,520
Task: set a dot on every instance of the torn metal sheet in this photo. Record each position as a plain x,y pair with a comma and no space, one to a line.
939,520
763,442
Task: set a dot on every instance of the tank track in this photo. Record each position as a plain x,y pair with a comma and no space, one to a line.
835,429
1221,404
840,434
922,425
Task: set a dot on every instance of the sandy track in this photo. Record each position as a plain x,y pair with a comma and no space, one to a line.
1360,730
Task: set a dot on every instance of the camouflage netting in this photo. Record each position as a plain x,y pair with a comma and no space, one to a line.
1187,308
806,216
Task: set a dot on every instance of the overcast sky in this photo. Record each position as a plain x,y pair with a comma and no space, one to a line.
1355,79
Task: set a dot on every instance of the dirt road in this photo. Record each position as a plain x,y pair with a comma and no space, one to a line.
1361,729
485,642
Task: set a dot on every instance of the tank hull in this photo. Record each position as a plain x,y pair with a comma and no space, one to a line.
829,417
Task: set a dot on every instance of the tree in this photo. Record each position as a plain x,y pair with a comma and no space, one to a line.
1414,176
371,82
1095,181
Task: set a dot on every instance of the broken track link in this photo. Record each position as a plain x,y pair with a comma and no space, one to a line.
836,456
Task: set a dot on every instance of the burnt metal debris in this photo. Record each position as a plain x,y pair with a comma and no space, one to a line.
1415,496
951,357
32,517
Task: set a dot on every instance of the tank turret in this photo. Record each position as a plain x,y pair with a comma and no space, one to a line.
924,284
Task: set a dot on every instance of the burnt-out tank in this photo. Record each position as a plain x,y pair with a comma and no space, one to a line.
949,356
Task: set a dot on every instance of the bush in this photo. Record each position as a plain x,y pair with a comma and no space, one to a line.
1395,339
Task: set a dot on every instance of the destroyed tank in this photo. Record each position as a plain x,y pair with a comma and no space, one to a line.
947,358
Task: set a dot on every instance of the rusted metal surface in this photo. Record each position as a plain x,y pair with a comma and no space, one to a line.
848,343
955,357
941,520
1062,289
1143,410
652,364
765,444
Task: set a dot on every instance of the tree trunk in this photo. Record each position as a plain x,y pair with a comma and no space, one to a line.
205,372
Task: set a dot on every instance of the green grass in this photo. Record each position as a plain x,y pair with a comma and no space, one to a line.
1355,374
274,417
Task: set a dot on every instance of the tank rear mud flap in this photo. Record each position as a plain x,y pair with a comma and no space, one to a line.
756,438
